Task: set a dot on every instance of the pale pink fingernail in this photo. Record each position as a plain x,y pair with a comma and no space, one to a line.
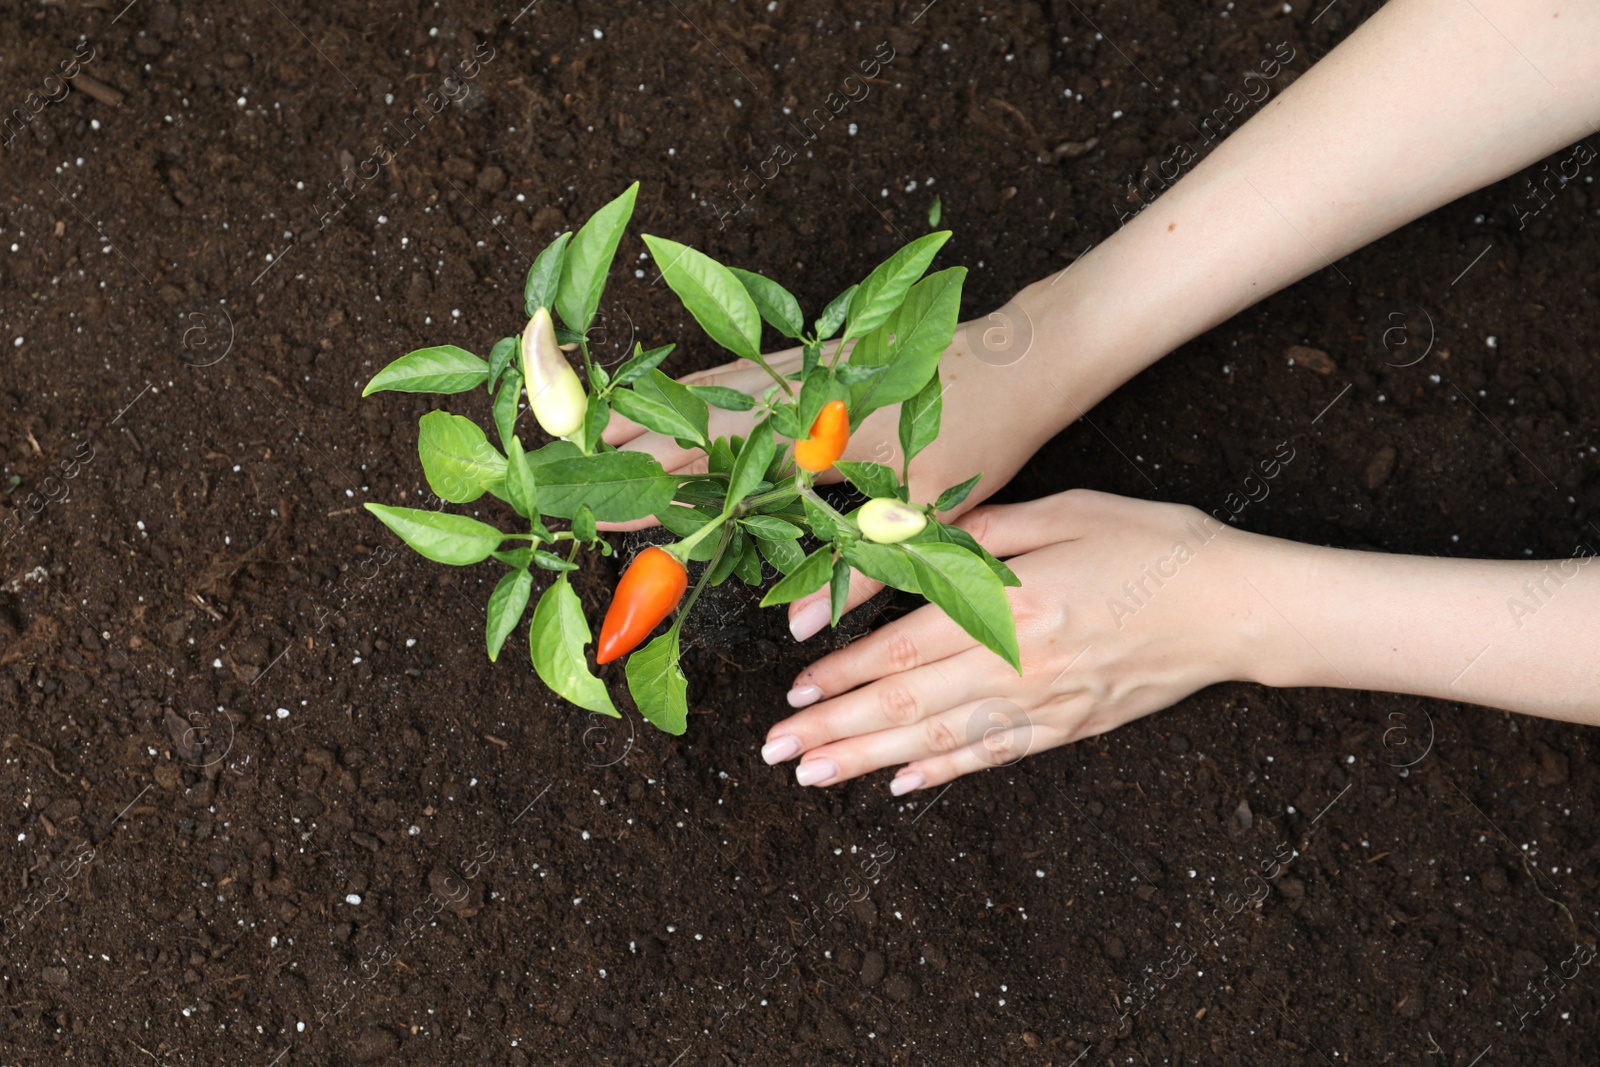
779,749
802,695
809,619
906,781
816,772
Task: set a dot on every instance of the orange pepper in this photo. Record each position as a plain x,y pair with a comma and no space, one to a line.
648,592
829,435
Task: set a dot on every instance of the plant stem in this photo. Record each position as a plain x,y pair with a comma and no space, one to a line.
811,495
783,382
705,576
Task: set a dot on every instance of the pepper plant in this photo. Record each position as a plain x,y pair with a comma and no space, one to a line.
757,500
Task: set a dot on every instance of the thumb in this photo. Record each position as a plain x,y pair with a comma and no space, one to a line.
808,615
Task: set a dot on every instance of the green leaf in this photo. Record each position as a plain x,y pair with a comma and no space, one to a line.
641,363
556,640
889,564
838,590
519,559
970,593
654,414
811,575
442,369
935,211
873,479
544,276
720,396
748,566
751,464
506,605
588,260
856,373
786,422
719,303
953,496
544,559
832,316
690,408
920,417
777,306
595,418
444,538
811,355
457,458
599,378
583,524
719,460
921,331
955,535
683,521
522,492
773,529
617,486
785,555
507,352
698,489
658,685
882,291
506,403
821,523
730,556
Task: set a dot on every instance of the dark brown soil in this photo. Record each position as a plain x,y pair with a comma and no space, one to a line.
270,804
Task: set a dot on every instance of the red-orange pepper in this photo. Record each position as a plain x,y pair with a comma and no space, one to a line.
648,591
829,434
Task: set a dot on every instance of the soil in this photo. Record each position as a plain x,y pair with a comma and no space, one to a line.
270,803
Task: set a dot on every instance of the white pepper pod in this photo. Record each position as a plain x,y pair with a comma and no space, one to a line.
886,521
555,393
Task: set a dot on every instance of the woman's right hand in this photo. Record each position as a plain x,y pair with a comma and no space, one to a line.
995,417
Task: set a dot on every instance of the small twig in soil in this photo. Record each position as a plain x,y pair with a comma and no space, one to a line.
49,756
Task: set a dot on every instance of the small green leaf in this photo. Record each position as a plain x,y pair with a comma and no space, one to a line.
955,535
522,492
720,396
970,593
457,457
640,363
920,417
719,303
935,211
595,419
654,414
832,316
855,373
719,460
805,579
442,369
953,496
444,538
811,355
821,523
889,564
778,307
545,559
786,423
838,590
730,556
658,685
506,404
506,605
588,260
785,555
683,521
556,641
698,489
921,331
751,463
882,291
748,567
617,486
583,524
544,276
690,408
519,559
507,352
873,479
773,529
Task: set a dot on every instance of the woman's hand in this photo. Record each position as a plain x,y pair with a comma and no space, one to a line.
1125,608
995,418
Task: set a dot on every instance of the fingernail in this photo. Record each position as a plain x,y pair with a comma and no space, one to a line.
780,749
802,695
816,772
906,782
809,619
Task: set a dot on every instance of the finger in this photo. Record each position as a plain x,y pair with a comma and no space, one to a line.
667,451
944,734
899,700
927,635
808,615
993,748
620,430
1015,529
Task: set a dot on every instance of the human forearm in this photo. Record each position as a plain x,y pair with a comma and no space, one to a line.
1427,101
1518,635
